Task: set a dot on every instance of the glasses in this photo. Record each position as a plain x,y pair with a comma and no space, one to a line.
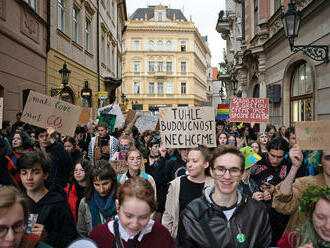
221,171
17,228
78,170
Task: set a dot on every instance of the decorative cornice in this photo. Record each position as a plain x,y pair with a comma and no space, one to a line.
301,4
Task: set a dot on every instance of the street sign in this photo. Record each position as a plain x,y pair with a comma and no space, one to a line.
102,98
102,95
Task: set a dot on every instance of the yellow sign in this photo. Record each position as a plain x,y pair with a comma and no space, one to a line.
102,95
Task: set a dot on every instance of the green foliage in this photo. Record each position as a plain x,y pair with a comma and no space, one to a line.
310,196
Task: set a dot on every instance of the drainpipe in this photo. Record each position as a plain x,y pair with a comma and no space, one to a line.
98,49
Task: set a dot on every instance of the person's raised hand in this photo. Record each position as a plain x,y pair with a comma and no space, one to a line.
259,196
38,229
267,187
51,134
267,196
296,156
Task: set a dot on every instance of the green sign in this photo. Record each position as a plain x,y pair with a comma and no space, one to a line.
110,119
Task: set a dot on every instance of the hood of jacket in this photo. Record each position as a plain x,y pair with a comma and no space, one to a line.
55,195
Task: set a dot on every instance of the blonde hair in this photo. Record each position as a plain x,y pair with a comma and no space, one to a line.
142,167
9,195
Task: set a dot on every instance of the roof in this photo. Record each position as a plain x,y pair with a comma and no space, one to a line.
214,73
140,13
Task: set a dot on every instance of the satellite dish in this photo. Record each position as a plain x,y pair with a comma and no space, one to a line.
83,242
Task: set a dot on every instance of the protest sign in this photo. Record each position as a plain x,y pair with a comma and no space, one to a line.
1,111
44,111
249,110
109,119
184,127
86,115
223,112
313,135
113,109
130,116
146,122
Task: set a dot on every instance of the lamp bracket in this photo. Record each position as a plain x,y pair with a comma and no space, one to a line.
55,92
315,52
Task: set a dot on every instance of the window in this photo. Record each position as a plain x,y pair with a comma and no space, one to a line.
183,46
168,45
183,88
256,18
169,88
136,66
113,10
160,67
108,55
169,66
151,66
32,3
302,94
75,29
160,45
160,88
60,15
277,4
87,35
136,88
151,88
183,66
136,45
113,66
160,16
151,45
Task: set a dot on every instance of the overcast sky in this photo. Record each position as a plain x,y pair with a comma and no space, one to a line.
204,14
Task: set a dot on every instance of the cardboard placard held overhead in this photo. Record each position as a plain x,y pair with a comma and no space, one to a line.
249,110
109,119
44,111
1,111
146,122
113,109
313,135
87,115
185,127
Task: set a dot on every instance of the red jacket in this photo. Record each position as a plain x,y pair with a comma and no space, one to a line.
288,240
72,199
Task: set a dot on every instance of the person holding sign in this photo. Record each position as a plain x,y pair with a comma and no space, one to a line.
223,217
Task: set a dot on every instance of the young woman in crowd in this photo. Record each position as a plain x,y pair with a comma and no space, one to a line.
70,145
126,143
76,189
232,140
281,131
133,226
255,145
184,189
243,139
98,206
222,138
314,232
271,131
263,139
153,155
135,168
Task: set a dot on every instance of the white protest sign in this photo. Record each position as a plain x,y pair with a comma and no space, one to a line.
44,111
184,127
1,111
113,109
146,122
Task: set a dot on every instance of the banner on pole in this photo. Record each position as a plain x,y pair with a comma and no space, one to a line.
249,110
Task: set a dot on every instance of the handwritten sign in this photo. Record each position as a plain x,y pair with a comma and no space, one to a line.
249,110
44,111
1,111
313,135
184,127
113,109
146,122
87,115
109,119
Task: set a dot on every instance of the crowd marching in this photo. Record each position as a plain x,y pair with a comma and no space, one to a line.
256,189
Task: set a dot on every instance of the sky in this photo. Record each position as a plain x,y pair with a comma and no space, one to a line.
204,14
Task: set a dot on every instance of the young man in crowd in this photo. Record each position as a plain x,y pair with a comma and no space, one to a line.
102,146
18,123
223,216
61,162
54,220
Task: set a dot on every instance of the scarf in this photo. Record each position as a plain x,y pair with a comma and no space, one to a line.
11,167
101,208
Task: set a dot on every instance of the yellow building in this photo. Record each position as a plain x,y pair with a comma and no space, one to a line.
164,60
87,37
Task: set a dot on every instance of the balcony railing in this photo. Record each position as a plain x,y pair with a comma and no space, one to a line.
223,22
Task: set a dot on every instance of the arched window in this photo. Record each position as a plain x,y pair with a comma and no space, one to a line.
151,45
256,91
168,45
160,45
301,97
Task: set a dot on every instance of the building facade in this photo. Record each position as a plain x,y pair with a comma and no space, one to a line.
23,44
87,37
298,87
164,60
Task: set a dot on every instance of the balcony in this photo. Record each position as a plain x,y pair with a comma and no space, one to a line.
223,23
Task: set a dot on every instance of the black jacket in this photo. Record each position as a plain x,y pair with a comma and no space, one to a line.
250,220
54,213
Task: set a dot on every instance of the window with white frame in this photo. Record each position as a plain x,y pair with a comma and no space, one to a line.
151,88
32,3
87,34
160,16
160,66
75,23
151,66
183,46
160,88
136,87
113,66
103,51
169,88
160,45
183,66
168,45
151,45
136,45
183,88
137,66
60,15
169,66
108,54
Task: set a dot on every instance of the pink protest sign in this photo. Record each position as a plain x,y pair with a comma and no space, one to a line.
249,110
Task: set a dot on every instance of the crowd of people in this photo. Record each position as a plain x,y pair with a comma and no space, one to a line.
125,189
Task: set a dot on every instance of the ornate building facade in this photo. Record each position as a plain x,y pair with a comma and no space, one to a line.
164,60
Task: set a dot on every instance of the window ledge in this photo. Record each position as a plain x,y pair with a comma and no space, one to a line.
77,45
89,54
63,35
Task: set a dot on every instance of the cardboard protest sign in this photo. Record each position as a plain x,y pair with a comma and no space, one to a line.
184,127
86,115
313,135
249,110
130,116
44,111
109,119
223,112
1,111
113,109
146,122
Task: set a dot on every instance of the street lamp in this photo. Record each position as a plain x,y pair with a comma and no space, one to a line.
65,76
291,23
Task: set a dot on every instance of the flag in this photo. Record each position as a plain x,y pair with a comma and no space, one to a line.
223,112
